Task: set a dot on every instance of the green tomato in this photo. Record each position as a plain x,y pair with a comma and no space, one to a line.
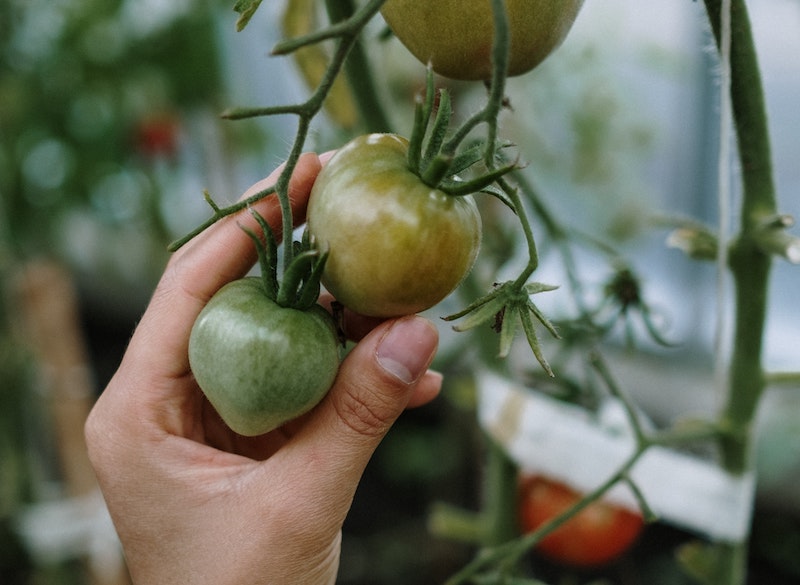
260,364
396,246
456,36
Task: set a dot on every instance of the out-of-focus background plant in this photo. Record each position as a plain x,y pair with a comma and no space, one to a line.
110,132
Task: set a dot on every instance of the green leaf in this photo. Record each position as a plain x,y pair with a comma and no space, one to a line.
246,9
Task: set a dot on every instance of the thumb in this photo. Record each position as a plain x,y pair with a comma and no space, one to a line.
374,385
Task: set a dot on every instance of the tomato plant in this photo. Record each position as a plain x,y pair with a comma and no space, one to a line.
598,534
456,36
396,246
264,353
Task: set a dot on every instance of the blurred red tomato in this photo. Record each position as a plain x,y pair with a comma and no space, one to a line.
598,534
157,136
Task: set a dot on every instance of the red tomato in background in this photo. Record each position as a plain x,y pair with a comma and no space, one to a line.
598,534
157,136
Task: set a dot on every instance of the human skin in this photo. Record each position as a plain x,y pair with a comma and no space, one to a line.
192,501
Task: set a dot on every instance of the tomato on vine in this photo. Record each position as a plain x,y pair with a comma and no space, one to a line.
456,36
396,245
597,535
264,353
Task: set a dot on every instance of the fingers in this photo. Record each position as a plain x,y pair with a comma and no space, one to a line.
385,373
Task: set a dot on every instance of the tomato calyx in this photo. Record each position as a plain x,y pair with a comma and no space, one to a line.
436,160
299,286
506,307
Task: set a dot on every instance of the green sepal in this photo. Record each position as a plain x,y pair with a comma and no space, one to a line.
533,340
484,313
269,263
439,129
476,303
508,330
422,113
309,292
437,170
461,188
295,274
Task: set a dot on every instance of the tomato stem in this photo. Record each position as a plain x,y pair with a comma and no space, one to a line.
749,261
346,32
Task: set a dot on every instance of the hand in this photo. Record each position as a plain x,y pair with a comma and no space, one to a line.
195,503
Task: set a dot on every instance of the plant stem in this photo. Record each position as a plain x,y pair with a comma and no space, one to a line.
500,495
527,230
346,33
749,262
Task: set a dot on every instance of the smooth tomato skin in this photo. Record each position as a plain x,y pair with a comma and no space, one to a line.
597,535
260,364
396,246
456,36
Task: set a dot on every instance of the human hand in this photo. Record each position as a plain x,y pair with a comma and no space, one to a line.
192,501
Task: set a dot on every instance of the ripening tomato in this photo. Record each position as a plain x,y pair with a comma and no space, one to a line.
456,36
260,364
598,534
396,246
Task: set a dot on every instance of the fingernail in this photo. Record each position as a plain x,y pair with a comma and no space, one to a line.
326,156
407,348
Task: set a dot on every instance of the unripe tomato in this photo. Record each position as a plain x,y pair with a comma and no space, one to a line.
396,246
456,36
260,364
596,535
